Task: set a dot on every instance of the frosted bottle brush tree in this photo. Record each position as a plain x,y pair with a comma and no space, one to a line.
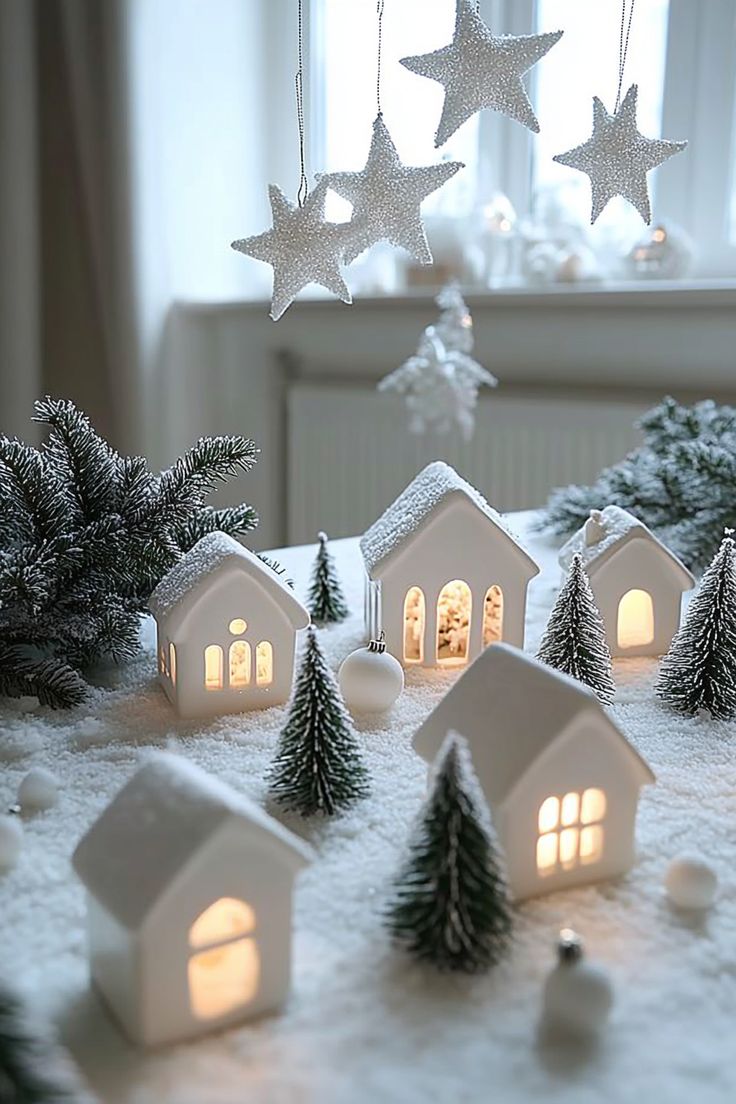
85,536
450,907
326,602
679,483
699,671
574,641
318,767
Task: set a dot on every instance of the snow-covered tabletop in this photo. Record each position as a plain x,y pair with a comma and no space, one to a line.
363,1024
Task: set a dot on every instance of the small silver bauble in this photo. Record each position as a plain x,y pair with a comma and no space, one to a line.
578,994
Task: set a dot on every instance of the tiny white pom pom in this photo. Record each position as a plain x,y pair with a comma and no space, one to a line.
691,883
38,790
11,839
370,679
578,994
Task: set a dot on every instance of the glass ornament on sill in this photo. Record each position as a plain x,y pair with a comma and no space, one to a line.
664,253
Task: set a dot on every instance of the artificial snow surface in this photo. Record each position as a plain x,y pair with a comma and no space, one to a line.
363,1024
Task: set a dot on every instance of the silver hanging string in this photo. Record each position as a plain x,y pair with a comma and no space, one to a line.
379,10
303,192
623,48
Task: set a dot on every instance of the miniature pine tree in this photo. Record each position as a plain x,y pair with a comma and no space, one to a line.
326,600
699,670
574,641
318,766
450,906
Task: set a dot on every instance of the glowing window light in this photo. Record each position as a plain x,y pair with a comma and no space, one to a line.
226,919
238,626
414,621
547,853
264,663
635,619
240,663
593,806
454,608
549,815
225,976
213,667
172,662
591,843
493,615
570,809
569,839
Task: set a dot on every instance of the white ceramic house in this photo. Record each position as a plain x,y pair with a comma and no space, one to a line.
226,627
636,581
561,780
189,890
445,576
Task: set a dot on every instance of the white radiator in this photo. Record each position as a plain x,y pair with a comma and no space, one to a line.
349,452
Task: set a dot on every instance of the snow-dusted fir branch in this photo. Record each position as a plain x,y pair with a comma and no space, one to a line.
450,906
575,638
85,536
318,766
699,670
688,457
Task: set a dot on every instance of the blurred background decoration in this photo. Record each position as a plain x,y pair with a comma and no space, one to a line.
137,139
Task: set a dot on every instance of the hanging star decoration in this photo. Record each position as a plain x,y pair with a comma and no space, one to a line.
301,247
617,157
386,197
440,382
480,69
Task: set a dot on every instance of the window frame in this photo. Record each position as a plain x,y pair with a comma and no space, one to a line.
699,103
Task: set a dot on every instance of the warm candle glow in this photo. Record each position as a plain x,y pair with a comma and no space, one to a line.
635,619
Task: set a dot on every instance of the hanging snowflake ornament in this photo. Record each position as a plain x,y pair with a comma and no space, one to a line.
386,196
481,70
301,247
617,157
440,387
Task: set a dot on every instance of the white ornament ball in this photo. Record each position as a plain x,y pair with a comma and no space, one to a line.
578,994
370,679
11,840
690,882
38,790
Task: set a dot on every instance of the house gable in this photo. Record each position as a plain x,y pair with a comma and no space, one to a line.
157,824
403,523
636,556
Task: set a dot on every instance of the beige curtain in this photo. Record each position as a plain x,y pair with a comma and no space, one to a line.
66,318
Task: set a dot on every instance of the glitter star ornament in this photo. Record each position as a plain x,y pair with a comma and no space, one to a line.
617,157
386,197
301,247
480,69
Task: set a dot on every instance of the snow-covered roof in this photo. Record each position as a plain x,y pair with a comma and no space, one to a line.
511,708
413,507
608,530
165,813
179,589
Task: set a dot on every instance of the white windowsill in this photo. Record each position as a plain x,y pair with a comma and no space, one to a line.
642,294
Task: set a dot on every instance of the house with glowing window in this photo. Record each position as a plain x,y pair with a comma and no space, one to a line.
226,625
636,580
189,892
445,576
561,779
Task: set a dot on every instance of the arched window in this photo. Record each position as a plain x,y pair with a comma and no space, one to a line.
414,620
172,662
224,970
239,663
264,663
570,830
454,607
635,619
213,667
493,616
